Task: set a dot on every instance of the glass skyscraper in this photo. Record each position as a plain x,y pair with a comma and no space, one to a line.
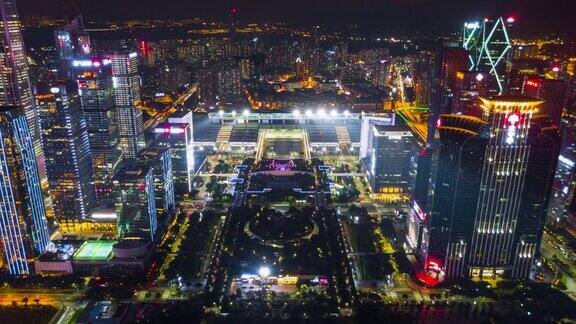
66,149
136,202
489,47
492,189
14,80
94,78
23,227
126,84
161,161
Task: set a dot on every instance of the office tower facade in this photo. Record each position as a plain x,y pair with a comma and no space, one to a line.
552,92
136,202
489,48
66,150
161,161
493,182
15,86
24,230
368,121
177,134
449,60
126,82
468,87
389,163
93,76
71,41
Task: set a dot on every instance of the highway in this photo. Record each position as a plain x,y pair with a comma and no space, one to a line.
158,118
412,118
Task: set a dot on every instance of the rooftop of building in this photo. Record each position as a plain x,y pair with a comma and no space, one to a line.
511,99
508,104
95,250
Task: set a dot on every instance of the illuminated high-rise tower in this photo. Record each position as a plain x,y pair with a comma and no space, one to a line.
493,182
489,47
94,78
23,226
136,201
66,149
126,82
14,81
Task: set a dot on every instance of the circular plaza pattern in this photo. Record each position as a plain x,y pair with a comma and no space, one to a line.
277,230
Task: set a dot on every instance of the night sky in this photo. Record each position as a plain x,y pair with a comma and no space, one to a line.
387,15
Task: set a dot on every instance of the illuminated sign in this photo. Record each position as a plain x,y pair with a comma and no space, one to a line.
472,25
90,63
532,83
419,212
290,280
460,75
104,215
132,55
170,130
513,119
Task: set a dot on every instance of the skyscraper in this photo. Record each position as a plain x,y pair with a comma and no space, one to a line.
94,78
469,86
23,226
449,60
552,92
66,149
389,161
136,202
126,82
177,134
493,182
71,41
489,48
14,80
161,161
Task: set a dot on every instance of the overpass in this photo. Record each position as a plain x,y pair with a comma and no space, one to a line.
412,117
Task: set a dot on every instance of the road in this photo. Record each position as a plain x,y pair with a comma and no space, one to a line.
411,117
158,118
68,312
549,249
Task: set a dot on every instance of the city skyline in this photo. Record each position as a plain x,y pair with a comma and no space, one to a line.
534,16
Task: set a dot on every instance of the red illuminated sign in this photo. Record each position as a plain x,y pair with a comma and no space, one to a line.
513,119
532,83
